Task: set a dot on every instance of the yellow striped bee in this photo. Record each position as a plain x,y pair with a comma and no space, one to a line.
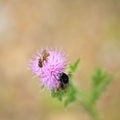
43,58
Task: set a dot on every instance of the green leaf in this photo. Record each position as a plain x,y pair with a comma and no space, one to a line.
71,94
73,67
105,83
98,76
100,81
57,94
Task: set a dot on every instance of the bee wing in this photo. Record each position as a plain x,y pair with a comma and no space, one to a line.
45,54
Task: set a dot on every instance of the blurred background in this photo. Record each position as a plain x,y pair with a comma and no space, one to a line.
87,29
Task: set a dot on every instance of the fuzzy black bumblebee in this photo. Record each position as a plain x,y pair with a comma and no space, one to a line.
63,81
64,78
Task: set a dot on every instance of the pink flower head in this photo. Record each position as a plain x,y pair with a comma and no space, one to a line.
51,67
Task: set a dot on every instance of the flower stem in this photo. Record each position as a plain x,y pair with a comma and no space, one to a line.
84,99
94,114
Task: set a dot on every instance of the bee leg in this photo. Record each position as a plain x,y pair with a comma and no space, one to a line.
57,78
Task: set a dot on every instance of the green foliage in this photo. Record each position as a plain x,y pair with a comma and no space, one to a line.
72,91
98,77
68,95
58,94
100,81
73,67
71,94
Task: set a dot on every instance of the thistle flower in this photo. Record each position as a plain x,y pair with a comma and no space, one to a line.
48,64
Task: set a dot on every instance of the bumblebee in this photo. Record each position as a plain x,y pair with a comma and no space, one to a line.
43,58
63,81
